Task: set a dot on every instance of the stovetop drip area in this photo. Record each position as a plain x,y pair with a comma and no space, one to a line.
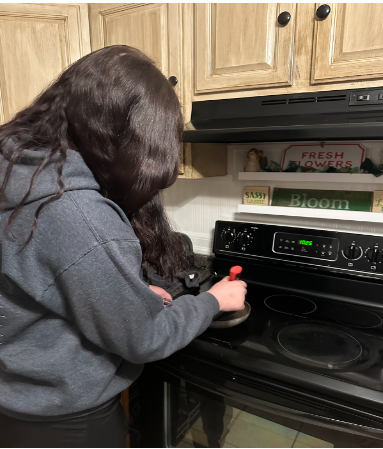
314,319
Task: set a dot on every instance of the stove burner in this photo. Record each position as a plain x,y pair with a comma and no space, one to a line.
319,345
290,304
355,317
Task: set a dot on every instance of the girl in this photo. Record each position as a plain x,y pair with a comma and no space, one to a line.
81,171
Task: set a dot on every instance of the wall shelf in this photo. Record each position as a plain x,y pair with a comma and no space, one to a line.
310,177
369,217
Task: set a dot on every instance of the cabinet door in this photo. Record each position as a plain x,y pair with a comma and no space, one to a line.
37,42
155,29
241,45
348,44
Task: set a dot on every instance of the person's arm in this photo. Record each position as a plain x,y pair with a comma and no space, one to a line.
104,296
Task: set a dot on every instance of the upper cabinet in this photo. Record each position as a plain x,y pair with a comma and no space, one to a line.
155,29
242,45
250,49
37,42
348,43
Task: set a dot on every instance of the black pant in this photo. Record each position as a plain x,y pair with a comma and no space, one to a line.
106,427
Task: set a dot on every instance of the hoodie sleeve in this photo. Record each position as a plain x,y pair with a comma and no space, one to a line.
103,295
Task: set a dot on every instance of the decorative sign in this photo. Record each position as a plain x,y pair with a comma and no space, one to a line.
258,196
377,202
318,156
323,199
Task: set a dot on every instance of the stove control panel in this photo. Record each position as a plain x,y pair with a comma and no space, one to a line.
358,254
308,246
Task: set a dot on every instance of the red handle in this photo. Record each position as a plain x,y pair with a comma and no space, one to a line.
235,273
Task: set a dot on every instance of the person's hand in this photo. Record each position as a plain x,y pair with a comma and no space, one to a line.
229,294
160,291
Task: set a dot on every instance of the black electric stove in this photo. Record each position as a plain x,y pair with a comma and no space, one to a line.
309,357
316,301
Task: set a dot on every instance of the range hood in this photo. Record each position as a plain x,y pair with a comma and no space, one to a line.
355,114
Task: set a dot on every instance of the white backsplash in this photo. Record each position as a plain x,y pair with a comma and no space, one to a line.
194,206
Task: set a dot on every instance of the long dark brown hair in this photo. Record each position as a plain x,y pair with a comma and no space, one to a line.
122,115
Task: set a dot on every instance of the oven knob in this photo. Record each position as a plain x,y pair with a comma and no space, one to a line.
374,255
352,252
228,236
243,238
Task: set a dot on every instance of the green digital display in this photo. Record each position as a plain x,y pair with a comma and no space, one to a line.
306,242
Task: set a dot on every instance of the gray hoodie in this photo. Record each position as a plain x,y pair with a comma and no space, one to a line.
76,321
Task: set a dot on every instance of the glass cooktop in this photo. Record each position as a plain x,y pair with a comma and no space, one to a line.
333,338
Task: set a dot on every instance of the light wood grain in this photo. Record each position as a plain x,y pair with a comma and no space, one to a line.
241,45
37,42
186,170
186,167
303,56
203,160
142,26
348,44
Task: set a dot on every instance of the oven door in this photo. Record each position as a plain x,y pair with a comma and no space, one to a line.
187,402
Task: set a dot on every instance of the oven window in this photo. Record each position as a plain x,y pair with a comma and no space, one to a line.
196,418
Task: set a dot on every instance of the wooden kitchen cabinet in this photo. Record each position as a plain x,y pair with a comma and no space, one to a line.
203,160
231,57
348,44
37,42
241,45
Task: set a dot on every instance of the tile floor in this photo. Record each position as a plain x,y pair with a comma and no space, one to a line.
247,430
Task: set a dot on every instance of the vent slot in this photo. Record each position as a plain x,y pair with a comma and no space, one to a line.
303,100
273,102
334,98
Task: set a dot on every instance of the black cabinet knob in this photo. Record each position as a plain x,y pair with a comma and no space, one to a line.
173,80
284,18
323,11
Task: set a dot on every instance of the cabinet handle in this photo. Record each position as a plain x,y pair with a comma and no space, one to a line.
323,11
284,18
173,80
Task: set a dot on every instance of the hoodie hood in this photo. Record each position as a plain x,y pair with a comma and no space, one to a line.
76,175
